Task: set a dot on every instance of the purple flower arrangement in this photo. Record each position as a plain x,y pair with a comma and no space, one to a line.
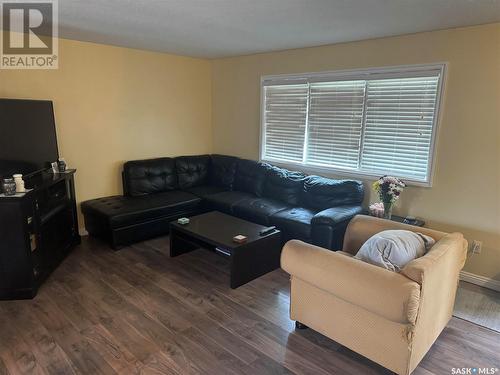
389,188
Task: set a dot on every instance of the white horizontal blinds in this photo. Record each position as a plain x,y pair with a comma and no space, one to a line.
399,126
285,122
335,123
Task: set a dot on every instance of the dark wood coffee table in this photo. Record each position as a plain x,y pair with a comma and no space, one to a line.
215,231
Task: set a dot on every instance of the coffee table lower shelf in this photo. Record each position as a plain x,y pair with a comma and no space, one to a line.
247,261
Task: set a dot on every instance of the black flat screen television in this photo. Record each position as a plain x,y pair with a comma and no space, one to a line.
28,141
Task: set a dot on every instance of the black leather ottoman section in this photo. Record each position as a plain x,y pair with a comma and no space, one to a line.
258,210
224,202
294,222
205,190
124,220
141,177
123,211
192,170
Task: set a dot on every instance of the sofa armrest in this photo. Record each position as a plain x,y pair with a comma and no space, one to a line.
336,215
382,292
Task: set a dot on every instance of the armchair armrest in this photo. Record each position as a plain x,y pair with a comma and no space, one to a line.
335,215
382,292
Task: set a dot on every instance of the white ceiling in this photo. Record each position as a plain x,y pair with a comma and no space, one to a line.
220,28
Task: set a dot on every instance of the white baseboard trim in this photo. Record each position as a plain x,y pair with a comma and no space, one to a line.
483,281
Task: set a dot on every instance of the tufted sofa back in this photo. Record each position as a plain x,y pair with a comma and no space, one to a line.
141,177
192,170
151,176
284,185
321,193
250,176
223,171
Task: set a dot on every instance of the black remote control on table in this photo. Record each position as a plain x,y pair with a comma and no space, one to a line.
267,231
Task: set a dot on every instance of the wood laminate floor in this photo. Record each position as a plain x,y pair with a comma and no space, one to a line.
139,311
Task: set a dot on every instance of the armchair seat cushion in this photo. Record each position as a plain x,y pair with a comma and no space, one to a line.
121,211
259,210
295,221
225,201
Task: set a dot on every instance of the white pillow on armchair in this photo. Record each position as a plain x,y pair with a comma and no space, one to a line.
392,249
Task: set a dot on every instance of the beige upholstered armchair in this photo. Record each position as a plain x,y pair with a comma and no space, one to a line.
391,318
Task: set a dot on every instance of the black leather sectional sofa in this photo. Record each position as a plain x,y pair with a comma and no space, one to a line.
157,191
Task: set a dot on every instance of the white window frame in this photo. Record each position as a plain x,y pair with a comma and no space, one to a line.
356,74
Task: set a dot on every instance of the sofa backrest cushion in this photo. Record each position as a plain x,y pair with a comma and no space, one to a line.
141,177
321,193
284,185
223,171
250,177
192,170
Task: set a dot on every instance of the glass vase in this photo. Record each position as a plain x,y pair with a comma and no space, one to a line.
387,210
9,186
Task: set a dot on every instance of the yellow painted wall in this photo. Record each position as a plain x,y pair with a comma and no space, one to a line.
115,104
465,195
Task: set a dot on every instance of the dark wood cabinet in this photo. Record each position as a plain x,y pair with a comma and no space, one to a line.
37,231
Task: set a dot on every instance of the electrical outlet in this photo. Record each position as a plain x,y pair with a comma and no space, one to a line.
476,247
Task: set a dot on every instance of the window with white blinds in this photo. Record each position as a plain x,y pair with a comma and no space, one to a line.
285,112
371,123
335,123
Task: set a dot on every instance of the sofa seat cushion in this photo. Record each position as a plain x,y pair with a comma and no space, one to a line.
259,210
205,190
225,201
295,221
122,211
